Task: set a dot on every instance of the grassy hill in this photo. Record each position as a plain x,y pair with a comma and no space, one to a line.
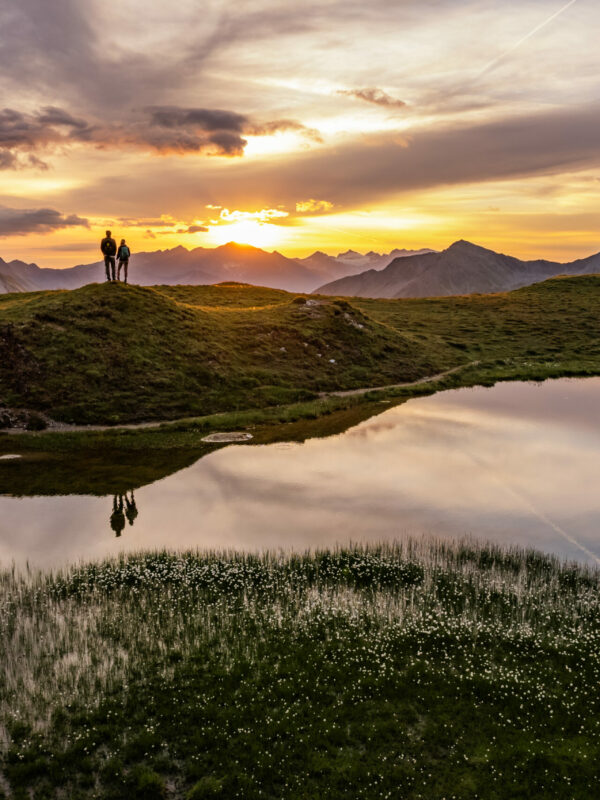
558,317
113,353
110,352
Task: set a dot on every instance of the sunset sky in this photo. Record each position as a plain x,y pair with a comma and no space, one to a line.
299,126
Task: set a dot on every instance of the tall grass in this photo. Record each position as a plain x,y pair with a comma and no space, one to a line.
419,669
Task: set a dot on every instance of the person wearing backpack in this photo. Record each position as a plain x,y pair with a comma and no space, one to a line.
108,246
123,257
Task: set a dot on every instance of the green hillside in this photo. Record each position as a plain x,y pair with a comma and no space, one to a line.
557,320
111,353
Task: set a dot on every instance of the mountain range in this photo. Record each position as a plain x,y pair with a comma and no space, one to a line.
463,268
230,262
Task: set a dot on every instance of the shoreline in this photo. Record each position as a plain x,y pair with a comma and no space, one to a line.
268,422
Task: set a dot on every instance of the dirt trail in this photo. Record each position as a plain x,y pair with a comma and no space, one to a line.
64,427
429,379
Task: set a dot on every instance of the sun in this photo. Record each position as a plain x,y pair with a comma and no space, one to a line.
257,234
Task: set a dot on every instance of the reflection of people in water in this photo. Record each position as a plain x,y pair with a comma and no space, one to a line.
123,507
131,511
117,518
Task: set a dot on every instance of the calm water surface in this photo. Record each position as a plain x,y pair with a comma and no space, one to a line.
517,464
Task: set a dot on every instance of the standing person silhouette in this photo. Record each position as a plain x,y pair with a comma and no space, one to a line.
117,518
123,258
108,246
131,511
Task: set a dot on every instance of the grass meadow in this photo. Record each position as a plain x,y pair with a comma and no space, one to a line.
424,669
242,354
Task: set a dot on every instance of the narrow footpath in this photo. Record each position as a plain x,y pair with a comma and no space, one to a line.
64,427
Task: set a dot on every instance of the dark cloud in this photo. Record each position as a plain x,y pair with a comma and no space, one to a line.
58,117
190,229
199,128
21,134
18,129
209,119
18,222
168,129
373,95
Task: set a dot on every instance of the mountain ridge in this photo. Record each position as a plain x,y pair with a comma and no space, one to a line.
178,265
462,268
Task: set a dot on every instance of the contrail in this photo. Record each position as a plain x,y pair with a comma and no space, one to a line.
502,481
546,520
495,61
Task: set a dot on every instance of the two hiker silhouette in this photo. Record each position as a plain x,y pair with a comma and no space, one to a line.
123,507
108,246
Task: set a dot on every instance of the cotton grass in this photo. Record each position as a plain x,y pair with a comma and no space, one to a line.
419,669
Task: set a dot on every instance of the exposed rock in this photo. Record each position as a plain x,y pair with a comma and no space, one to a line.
234,436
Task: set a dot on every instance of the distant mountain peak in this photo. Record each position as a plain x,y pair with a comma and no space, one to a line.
463,268
465,246
237,246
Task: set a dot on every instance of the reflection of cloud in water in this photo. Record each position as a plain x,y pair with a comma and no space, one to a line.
498,463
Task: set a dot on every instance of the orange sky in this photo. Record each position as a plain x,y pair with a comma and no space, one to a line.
327,125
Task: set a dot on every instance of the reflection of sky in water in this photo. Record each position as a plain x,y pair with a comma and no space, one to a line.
517,463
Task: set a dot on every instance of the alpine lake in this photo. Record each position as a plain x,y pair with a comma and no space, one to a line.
514,464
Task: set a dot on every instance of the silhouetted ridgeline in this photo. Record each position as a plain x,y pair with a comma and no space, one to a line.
230,262
463,268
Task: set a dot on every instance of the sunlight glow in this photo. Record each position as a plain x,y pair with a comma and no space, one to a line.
257,234
277,144
25,184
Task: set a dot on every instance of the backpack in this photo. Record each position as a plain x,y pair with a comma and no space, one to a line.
124,253
110,247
